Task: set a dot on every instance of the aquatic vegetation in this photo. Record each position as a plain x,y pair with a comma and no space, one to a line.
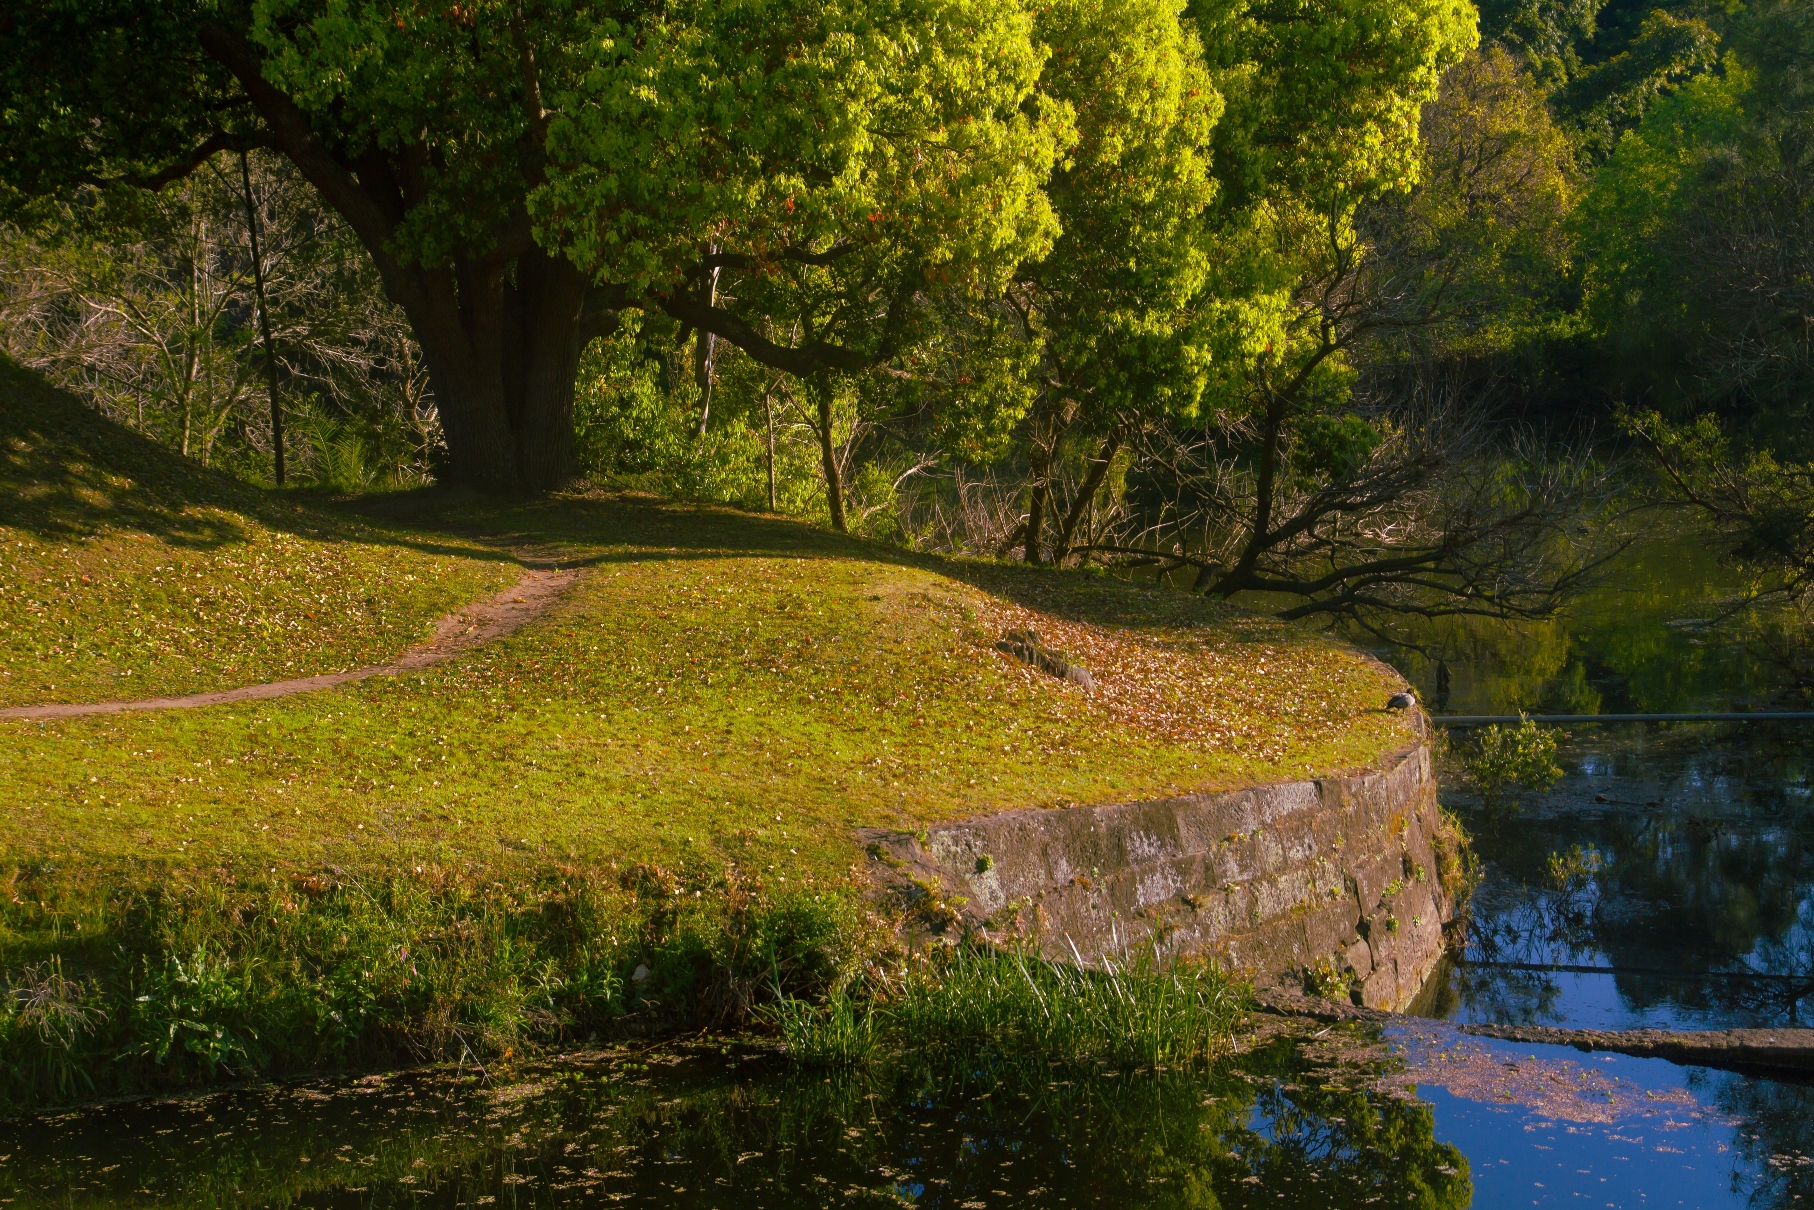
971,1001
1505,763
1573,871
842,1030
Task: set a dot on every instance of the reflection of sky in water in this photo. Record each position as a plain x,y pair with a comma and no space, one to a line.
1698,1148
1518,1159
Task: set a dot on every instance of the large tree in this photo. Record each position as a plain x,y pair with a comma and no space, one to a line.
1109,311
521,171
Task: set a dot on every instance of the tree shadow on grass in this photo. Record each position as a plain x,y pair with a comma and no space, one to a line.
596,526
590,526
68,473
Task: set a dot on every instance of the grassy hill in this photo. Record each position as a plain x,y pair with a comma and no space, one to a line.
718,687
662,773
127,572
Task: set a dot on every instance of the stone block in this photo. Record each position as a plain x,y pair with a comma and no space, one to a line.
1167,869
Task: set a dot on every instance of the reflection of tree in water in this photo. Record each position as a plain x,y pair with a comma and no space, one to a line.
1620,649
1351,1147
1709,866
1774,1138
702,1130
1136,1139
1507,997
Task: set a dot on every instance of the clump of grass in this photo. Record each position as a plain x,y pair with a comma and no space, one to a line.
1138,1011
1458,869
842,1030
161,979
974,1002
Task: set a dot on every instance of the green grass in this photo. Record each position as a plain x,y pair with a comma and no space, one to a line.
126,572
688,739
971,1004
154,980
719,688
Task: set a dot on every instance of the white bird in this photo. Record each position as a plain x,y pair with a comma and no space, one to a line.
1401,701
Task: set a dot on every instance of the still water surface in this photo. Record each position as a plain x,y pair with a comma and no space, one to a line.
1691,889
1311,1121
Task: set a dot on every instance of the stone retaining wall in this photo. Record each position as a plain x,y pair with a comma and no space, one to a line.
1335,878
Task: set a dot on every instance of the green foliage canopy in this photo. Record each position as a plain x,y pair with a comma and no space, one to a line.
521,172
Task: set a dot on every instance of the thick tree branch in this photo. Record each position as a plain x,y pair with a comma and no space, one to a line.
290,134
198,155
807,358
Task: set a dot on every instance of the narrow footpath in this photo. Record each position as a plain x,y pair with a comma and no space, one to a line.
484,621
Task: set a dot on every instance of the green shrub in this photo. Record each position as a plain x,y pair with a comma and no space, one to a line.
196,1012
1507,763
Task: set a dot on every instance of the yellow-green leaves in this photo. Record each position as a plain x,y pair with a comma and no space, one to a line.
900,138
1113,298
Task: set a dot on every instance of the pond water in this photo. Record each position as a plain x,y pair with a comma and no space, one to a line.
1638,644
1423,1118
1676,862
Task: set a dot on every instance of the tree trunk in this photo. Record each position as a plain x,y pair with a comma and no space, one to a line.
549,297
1265,485
264,320
1091,485
501,330
461,333
705,352
1036,514
503,359
1048,428
768,415
828,454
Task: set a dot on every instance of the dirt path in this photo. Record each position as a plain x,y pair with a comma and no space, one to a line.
479,623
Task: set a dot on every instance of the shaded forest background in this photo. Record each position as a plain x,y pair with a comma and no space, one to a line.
1590,291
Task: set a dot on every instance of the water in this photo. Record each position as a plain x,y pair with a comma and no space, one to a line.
1684,858
685,1127
1695,876
1335,1118
1638,644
